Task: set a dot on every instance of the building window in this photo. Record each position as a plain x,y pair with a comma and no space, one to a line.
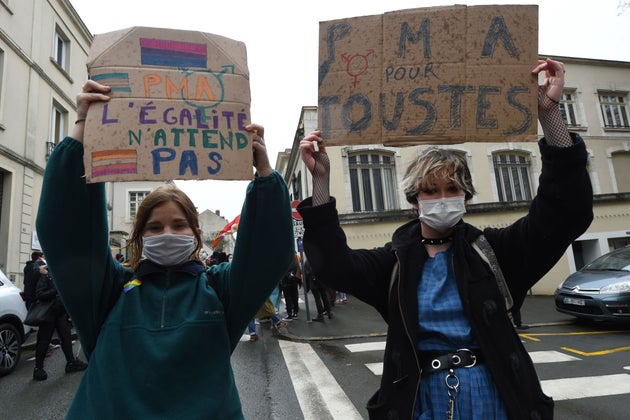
58,127
1,77
621,167
614,110
296,186
372,181
61,49
135,198
568,108
1,69
511,170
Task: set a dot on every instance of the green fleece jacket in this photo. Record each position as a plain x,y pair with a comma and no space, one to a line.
160,349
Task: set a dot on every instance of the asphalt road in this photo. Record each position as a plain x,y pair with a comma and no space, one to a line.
328,370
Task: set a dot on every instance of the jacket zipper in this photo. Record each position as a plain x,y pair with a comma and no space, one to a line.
413,346
164,295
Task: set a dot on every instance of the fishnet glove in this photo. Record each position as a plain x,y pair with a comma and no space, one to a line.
553,125
321,178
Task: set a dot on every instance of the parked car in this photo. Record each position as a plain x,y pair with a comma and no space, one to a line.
12,329
600,290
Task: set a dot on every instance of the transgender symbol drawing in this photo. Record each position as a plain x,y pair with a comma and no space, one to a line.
356,65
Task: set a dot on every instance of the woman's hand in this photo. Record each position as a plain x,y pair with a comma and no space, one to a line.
91,92
554,79
317,161
261,158
314,154
549,96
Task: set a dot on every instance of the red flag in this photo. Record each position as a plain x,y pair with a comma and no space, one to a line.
228,229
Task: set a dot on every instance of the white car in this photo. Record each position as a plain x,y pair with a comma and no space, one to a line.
12,330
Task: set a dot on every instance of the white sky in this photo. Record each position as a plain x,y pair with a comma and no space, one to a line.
282,47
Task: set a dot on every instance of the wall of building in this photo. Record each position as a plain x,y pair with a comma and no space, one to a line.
30,83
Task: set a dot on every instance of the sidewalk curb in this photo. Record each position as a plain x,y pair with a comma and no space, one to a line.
293,337
551,324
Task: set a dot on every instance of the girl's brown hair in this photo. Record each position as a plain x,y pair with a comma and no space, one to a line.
160,195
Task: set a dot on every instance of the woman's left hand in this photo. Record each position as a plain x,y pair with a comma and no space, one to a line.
261,158
554,78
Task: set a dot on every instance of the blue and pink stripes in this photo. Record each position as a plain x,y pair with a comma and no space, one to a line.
165,53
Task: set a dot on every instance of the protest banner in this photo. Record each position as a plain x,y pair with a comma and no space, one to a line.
434,75
180,101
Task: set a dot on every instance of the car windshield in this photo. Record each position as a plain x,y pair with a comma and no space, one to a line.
616,260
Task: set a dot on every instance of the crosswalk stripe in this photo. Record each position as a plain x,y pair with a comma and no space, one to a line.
376,345
587,386
376,368
551,357
318,393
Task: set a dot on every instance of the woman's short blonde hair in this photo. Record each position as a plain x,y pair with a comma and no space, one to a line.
434,163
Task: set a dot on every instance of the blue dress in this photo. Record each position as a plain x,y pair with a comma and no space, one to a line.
444,327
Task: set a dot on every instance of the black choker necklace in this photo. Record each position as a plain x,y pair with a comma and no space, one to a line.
437,241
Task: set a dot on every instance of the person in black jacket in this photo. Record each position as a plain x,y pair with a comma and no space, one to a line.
31,275
319,291
289,284
451,346
57,319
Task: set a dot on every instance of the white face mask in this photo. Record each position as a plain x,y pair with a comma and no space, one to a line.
167,249
442,214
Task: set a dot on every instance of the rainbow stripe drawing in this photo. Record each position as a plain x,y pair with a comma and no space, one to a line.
157,52
118,82
114,162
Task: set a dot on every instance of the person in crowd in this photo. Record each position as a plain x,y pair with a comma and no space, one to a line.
56,319
289,285
451,346
342,297
268,310
218,257
318,289
518,322
159,332
31,276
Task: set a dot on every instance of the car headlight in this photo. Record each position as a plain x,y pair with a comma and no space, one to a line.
621,287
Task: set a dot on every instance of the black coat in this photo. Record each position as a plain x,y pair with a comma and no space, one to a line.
526,250
290,278
311,280
47,291
31,276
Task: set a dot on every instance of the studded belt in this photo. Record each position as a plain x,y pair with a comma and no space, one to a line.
461,358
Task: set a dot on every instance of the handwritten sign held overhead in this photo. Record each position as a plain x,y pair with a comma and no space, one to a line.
430,75
180,101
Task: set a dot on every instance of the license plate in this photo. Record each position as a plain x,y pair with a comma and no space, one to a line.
572,301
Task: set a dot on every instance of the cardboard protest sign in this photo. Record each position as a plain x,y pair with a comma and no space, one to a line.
430,75
179,103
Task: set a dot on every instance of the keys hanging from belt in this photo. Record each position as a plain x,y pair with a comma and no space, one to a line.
452,385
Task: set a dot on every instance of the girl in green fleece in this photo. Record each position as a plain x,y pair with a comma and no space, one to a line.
158,335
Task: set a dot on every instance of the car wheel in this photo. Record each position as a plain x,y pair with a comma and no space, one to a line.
10,348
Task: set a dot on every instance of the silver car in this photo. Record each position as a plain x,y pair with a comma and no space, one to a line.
12,329
599,290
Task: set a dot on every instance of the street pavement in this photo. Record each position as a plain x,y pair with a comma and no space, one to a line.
355,319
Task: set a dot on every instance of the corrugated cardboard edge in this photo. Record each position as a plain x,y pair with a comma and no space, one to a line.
105,42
